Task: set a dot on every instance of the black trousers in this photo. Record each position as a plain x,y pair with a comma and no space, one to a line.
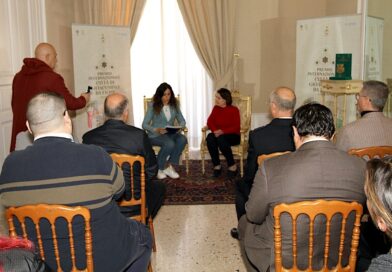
222,143
242,191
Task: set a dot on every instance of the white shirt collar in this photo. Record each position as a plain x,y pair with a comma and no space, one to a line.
55,134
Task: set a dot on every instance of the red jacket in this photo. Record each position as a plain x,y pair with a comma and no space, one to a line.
227,119
36,77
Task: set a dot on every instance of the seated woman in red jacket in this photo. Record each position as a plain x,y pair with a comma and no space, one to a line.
224,123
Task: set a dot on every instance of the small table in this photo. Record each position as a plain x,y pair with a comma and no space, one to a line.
338,88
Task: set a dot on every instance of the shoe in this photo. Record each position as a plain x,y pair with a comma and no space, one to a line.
232,174
217,173
234,233
161,174
171,173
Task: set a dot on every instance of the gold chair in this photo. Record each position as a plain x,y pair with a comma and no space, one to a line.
261,158
371,152
312,209
244,104
147,101
51,213
120,159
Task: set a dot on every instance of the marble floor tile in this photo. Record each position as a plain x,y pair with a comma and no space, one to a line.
196,238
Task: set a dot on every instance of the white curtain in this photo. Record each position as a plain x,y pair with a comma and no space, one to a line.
163,52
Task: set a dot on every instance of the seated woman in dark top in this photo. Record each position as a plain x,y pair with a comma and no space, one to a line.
378,190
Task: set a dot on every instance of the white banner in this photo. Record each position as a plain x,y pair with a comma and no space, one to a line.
101,60
373,48
318,42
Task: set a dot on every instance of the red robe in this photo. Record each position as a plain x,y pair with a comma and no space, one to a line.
36,77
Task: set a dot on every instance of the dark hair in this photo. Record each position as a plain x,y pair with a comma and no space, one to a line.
378,190
117,110
377,91
226,95
314,119
157,99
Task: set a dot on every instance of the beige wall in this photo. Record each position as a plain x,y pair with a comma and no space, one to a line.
59,19
265,41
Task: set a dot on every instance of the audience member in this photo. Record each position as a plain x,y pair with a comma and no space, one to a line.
55,170
373,128
224,123
115,136
38,75
277,136
378,190
161,113
316,170
17,254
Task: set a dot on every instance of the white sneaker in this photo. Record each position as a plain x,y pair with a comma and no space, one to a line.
161,174
169,171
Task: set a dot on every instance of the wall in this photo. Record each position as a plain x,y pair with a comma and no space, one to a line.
265,41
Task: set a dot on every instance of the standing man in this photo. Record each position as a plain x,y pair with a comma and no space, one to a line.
316,170
115,136
38,75
277,136
373,128
55,170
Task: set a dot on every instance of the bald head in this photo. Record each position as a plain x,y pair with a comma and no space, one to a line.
115,107
46,112
46,53
282,101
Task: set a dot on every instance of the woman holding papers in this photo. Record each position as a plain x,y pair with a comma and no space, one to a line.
224,123
159,124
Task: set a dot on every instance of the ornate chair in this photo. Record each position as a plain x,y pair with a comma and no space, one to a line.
311,209
147,101
261,158
244,104
51,213
131,160
371,152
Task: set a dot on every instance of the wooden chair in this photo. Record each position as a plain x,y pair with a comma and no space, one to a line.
312,209
51,213
244,104
371,152
120,159
261,158
147,101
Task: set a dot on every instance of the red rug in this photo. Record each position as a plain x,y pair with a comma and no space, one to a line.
197,188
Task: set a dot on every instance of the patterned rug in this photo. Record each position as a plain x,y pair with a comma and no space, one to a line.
197,188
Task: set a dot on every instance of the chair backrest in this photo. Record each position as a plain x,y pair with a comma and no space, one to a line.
131,160
371,152
52,213
264,157
312,209
244,104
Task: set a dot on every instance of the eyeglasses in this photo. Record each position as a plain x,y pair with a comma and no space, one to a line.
357,96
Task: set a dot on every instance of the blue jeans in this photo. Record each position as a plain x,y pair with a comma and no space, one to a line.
171,145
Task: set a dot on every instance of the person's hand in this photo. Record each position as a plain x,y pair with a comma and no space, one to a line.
161,130
218,133
86,96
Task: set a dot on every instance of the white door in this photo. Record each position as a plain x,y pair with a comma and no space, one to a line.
22,27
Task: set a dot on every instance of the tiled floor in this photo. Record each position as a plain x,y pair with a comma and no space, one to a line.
195,238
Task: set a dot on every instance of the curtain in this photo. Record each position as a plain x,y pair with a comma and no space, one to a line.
110,12
210,25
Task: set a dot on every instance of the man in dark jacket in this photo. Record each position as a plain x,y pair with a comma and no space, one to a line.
37,75
115,136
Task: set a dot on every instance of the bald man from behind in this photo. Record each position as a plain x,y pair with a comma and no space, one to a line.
37,75
277,136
